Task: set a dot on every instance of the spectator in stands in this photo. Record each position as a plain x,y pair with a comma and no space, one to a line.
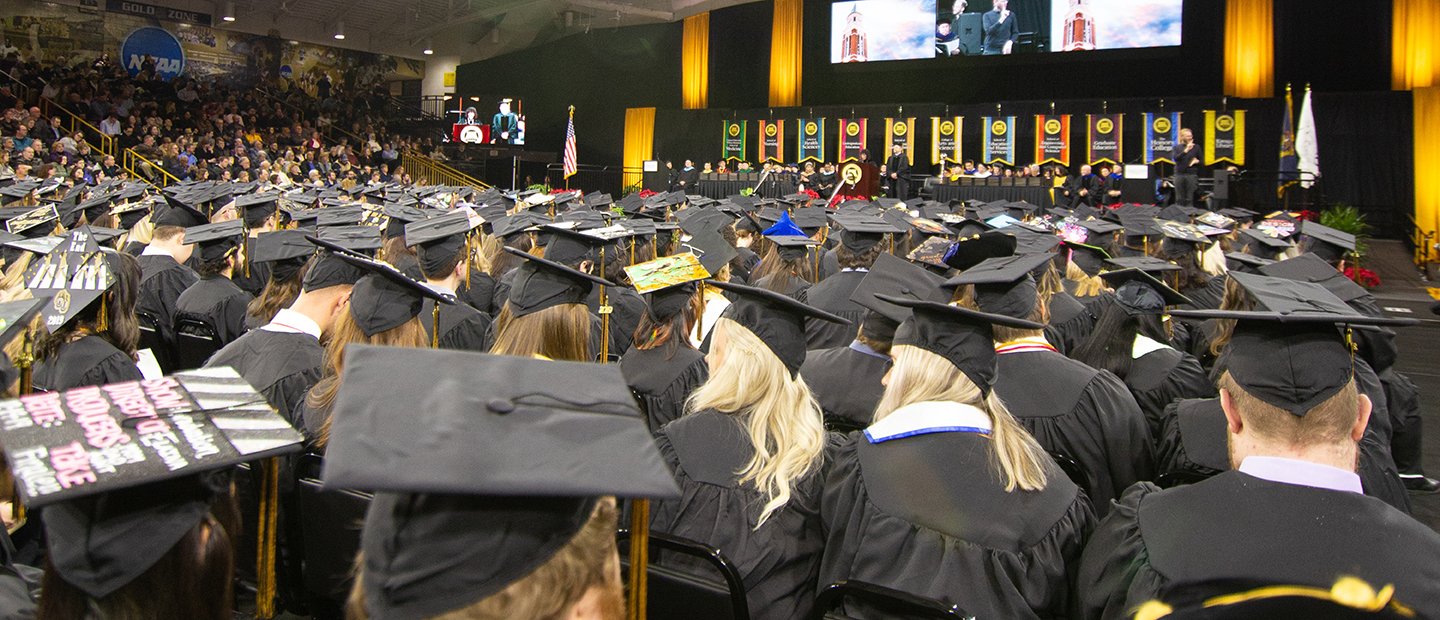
111,125
23,139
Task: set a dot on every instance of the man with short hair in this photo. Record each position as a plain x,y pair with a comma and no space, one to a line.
998,29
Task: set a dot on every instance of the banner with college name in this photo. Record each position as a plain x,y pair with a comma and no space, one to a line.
733,141
852,138
1225,137
810,140
900,131
1052,139
1162,133
945,139
999,140
772,141
1104,138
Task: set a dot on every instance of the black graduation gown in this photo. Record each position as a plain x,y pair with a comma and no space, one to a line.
502,291
1070,322
1085,413
91,360
479,292
256,281
1244,529
747,259
627,307
1163,376
217,301
833,295
926,515
162,280
846,382
462,328
662,378
1192,443
795,288
283,366
779,561
18,583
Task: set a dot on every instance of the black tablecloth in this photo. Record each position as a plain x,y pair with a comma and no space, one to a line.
1035,195
720,186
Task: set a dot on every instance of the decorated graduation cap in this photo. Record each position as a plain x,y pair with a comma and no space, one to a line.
1138,292
893,277
668,283
967,252
1291,354
106,526
1089,258
1004,285
1329,243
962,336
712,250
35,222
73,275
495,471
441,238
777,320
384,298
784,226
216,241
931,253
541,284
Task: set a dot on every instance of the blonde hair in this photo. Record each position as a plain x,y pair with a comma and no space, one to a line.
780,415
12,286
1326,423
1212,260
560,332
921,376
1086,285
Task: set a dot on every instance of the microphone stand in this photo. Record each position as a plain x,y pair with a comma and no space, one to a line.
763,175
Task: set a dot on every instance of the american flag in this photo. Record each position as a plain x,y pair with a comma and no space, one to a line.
572,162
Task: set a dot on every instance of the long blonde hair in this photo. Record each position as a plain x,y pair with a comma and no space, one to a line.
921,376
780,415
1086,285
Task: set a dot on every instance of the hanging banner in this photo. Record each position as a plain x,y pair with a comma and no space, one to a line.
733,142
1104,138
945,139
1162,133
900,131
1052,139
810,140
1225,137
1000,140
772,141
852,138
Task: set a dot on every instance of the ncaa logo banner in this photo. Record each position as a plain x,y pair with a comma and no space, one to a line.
1052,139
158,44
852,138
772,141
1104,139
1225,138
734,142
811,140
945,139
999,139
1162,133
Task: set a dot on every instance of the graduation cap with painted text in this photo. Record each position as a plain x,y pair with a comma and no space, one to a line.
668,283
777,320
74,275
499,464
33,221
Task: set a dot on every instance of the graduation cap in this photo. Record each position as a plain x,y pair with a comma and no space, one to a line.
38,245
178,213
1004,285
931,252
461,513
384,298
1028,241
784,227
1290,355
598,200
519,223
15,317
1089,258
893,277
74,274
1263,243
1138,292
398,215
668,283
810,219
32,223
328,269
697,221
216,241
1216,219
129,214
967,252
1147,264
712,250
285,250
862,232
792,247
256,208
1240,261
441,238
962,336
1331,244
108,525
1238,214
1100,227
1313,269
777,320
355,238
541,284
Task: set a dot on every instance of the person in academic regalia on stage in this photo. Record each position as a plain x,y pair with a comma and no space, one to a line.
1292,511
661,367
95,331
1072,409
945,496
861,241
760,509
164,275
215,300
442,250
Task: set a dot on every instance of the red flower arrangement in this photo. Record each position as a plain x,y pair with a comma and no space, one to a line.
1307,215
811,193
561,190
1362,276
645,193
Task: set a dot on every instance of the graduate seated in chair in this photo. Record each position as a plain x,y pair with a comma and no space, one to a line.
216,300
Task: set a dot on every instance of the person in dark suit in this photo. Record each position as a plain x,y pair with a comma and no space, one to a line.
505,125
897,171
999,29
689,177
1187,162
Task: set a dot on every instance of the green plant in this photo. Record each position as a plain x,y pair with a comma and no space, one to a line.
1345,218
633,188
539,187
749,191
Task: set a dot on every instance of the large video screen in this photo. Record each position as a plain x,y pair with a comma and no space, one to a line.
485,119
878,30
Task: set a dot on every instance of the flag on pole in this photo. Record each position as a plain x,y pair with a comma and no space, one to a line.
1289,161
1307,146
572,159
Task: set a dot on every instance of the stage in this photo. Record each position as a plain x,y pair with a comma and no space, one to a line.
719,186
1035,191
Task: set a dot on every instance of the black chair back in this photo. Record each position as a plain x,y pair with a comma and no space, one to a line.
676,593
1071,469
879,602
195,342
1171,479
152,338
330,526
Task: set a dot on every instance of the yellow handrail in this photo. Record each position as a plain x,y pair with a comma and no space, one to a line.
107,142
137,165
430,172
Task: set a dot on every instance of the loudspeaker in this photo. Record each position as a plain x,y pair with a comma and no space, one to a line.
1221,191
968,33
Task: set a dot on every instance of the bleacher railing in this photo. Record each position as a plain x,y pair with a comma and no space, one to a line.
146,170
71,122
432,172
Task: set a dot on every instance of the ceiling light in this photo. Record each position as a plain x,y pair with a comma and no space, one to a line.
429,47
340,30
229,14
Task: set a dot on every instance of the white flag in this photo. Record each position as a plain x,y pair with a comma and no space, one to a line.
1306,145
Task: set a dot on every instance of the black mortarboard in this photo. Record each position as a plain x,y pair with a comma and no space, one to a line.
893,277
1311,268
38,245
967,252
216,241
862,232
571,247
1100,227
792,247
106,526
696,221
398,216
384,298
1329,243
1240,261
1089,258
541,284
1029,241
521,222
340,216
810,219
327,269
1136,226
668,283
1238,214
256,208
596,201
129,214
777,320
496,470
1004,285
1138,292
1147,264
356,238
712,250
1264,244
440,238
15,317
285,250
178,213
963,336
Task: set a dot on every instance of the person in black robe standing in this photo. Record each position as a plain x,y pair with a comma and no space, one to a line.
897,171
860,243
945,496
661,367
164,275
96,333
761,510
1292,511
442,248
215,300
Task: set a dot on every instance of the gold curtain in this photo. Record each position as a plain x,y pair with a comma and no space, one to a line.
695,62
785,54
1250,48
639,141
1415,44
1427,160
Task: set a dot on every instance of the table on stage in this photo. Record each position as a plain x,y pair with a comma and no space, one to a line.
1034,190
719,186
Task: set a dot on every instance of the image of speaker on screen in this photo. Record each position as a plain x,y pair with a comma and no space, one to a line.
957,33
507,126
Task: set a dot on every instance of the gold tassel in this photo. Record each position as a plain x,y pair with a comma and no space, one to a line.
639,557
265,593
435,327
604,314
103,322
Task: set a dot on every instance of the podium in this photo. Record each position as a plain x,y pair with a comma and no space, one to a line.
859,179
470,133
